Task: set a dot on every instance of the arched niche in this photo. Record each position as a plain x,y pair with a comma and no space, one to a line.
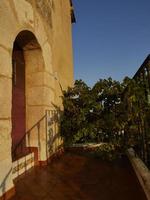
27,86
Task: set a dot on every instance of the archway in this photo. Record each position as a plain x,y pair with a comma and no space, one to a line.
27,64
18,94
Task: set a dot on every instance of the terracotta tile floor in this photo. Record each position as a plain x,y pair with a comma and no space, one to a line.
80,177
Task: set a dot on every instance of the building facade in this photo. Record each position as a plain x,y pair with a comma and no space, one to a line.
36,64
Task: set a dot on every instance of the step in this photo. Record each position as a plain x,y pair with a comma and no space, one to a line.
23,164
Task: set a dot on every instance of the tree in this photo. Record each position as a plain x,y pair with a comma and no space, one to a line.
111,111
90,115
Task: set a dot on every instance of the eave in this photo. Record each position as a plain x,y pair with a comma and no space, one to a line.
73,18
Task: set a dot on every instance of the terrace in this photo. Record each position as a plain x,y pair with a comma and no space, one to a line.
79,176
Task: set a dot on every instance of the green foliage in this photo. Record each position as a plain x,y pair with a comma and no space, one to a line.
108,152
112,112
90,115
137,127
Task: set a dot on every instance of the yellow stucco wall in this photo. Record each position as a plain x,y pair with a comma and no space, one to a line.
50,22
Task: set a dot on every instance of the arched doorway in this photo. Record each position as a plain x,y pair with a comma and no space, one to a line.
18,94
27,87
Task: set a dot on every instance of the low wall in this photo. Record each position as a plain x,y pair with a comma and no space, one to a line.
83,147
141,171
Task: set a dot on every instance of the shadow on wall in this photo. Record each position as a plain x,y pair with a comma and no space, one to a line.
24,145
3,184
31,141
53,140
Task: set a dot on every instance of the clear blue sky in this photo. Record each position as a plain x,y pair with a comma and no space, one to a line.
110,38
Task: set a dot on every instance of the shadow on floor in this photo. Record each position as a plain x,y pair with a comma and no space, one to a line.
79,177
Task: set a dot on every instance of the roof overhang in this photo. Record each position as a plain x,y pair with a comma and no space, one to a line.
73,18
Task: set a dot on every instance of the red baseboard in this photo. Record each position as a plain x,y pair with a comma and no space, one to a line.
52,158
7,195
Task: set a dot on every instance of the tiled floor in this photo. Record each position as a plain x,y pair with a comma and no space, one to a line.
78,177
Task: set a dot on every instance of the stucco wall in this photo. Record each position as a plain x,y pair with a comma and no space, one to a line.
62,45
50,22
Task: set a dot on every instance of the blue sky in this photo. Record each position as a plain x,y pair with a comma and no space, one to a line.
110,38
